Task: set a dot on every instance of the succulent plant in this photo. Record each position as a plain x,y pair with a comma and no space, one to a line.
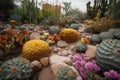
74,26
81,47
31,28
15,69
106,35
35,49
115,32
66,73
95,38
54,29
69,35
108,55
22,27
8,26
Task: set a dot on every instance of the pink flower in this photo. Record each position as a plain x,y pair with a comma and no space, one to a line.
79,78
113,74
89,66
77,57
107,74
83,73
96,67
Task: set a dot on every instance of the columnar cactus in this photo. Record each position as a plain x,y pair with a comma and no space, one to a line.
54,29
115,32
95,38
108,55
15,69
106,35
66,73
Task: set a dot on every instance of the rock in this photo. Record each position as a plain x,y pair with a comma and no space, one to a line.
73,48
57,66
91,51
44,61
56,59
64,53
70,52
56,49
35,65
34,35
62,44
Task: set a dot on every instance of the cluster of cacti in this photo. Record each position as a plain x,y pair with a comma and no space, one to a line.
115,32
95,38
66,73
106,35
35,49
54,29
81,47
15,69
69,35
74,26
108,55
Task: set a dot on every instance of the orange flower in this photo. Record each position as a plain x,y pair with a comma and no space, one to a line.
9,31
14,69
70,73
83,40
5,37
15,35
26,31
1,69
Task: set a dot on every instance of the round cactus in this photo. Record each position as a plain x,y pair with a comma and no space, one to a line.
69,35
95,38
31,28
22,27
35,49
66,73
115,32
54,30
15,69
108,55
81,47
106,35
74,26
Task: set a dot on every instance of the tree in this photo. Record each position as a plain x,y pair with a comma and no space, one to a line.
66,7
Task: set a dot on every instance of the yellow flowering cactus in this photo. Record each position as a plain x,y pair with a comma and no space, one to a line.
69,35
35,49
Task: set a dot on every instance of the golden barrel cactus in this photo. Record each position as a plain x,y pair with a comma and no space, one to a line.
35,49
69,35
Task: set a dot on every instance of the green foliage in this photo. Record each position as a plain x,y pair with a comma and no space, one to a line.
95,38
66,7
106,35
15,69
81,47
66,73
54,29
108,55
74,26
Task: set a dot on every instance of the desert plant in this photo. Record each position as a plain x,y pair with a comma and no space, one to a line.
15,69
35,49
54,30
106,35
108,55
69,35
81,47
66,73
95,38
115,32
22,27
74,26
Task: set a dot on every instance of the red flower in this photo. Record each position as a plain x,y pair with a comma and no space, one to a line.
14,69
118,51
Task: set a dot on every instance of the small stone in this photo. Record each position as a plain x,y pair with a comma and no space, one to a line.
44,61
70,52
56,49
64,53
62,44
60,53
35,65
56,59
34,35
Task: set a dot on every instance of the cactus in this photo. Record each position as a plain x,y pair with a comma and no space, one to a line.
66,73
106,35
108,55
31,28
74,26
8,26
54,30
35,49
15,69
115,32
22,27
69,35
81,47
95,38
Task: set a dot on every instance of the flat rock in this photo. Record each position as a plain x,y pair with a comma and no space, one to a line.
44,61
62,44
34,35
35,65
91,51
56,59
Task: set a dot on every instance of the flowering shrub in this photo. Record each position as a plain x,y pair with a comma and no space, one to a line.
12,39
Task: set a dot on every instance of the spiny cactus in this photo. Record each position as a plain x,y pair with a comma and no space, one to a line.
66,73
74,26
35,49
69,35
106,35
81,47
31,28
22,27
54,29
95,38
15,69
108,55
115,32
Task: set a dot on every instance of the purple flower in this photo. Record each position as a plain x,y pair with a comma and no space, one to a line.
82,62
93,61
84,56
107,74
83,74
77,57
96,67
89,66
113,74
79,78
